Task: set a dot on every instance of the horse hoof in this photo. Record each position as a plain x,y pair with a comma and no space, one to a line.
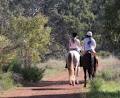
84,85
70,83
73,84
77,82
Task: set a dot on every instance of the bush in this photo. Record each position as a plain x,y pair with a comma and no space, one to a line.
15,66
104,53
32,74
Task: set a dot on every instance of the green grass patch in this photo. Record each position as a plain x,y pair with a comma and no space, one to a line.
6,81
52,71
103,95
99,88
110,86
106,84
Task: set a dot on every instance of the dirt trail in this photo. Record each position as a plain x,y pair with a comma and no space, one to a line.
55,87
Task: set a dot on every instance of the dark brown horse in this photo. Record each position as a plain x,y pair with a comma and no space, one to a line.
89,64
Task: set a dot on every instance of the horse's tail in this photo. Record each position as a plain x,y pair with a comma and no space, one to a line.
70,58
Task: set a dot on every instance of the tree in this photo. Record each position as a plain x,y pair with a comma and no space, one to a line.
31,37
68,16
112,24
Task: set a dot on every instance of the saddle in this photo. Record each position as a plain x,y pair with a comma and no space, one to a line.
74,49
87,59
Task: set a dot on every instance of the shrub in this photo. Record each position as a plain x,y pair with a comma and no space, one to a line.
15,66
32,74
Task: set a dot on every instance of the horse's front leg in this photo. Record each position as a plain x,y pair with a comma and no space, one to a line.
94,70
85,77
90,72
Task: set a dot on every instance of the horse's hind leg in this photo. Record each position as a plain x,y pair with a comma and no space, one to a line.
95,66
94,71
77,75
90,73
85,77
71,76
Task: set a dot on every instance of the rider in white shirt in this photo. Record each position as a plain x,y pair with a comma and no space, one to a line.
89,42
89,45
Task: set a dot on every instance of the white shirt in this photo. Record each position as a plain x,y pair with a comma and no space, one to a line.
89,43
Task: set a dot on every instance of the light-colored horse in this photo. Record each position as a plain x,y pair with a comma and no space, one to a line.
72,62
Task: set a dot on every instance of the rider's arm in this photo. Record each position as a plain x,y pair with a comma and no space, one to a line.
69,44
79,45
93,45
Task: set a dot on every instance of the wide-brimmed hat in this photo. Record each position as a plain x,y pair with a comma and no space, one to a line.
89,33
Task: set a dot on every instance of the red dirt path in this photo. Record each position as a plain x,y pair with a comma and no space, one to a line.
54,87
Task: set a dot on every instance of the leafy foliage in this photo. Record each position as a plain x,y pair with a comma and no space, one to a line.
112,23
26,35
30,34
32,74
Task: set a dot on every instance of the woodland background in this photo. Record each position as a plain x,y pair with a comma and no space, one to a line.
32,31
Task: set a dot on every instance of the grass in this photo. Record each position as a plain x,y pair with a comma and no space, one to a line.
103,54
6,81
53,67
104,89
110,61
107,83
111,86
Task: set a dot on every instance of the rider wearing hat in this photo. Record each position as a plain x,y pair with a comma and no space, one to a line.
89,45
89,42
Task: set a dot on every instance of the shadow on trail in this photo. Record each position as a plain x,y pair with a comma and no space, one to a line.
53,96
48,83
50,89
78,95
